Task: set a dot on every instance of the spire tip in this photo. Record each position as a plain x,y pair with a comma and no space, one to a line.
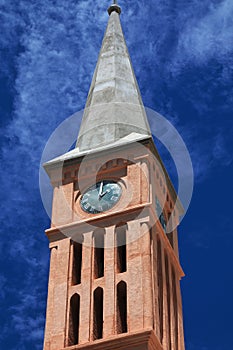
114,8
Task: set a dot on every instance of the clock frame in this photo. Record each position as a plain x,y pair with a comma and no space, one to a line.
101,197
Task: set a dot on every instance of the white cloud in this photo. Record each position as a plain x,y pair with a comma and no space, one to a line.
207,37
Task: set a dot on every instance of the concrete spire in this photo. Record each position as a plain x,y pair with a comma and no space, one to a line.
114,108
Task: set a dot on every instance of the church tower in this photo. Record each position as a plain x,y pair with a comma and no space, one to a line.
114,265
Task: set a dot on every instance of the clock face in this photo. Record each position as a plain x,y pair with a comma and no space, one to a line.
101,197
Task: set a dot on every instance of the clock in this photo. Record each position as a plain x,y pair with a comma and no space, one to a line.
101,197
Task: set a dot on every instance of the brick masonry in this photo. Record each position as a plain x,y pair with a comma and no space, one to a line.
142,181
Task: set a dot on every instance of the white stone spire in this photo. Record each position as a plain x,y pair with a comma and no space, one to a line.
114,114
114,108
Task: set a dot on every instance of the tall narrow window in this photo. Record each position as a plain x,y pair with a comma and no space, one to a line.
121,248
170,238
73,336
98,314
169,229
160,214
121,307
99,253
168,302
160,288
77,263
174,293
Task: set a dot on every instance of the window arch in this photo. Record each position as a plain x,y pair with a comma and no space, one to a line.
98,243
74,317
98,314
121,308
121,253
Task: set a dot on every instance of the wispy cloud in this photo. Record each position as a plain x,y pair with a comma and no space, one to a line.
185,53
23,291
207,36
45,47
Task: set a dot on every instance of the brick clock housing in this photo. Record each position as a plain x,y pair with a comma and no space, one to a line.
114,273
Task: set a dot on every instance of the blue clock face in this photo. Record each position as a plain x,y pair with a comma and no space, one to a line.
101,197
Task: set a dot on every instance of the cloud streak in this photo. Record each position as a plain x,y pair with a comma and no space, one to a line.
207,37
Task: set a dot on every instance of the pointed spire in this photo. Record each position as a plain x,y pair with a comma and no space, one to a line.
114,7
114,108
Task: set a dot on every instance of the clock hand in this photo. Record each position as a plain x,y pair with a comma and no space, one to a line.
100,189
103,194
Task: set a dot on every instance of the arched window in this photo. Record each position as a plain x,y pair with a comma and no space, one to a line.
121,307
168,302
160,288
174,293
98,314
120,236
77,263
73,336
98,238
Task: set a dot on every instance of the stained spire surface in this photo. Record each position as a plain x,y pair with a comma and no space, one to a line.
114,108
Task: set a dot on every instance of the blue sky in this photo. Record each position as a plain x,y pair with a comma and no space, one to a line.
182,56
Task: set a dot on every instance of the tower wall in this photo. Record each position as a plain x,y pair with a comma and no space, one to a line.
143,231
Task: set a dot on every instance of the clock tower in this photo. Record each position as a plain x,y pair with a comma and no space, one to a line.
114,264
